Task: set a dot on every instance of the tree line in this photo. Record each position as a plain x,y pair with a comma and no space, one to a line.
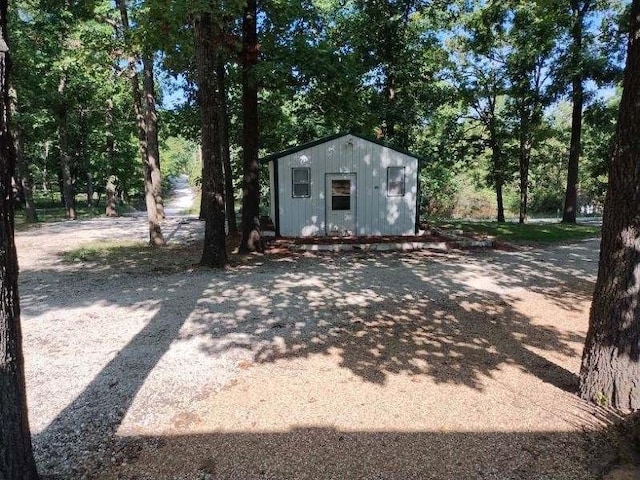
443,79
497,91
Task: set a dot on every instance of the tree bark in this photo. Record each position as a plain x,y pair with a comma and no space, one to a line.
577,95
251,240
214,253
229,194
524,159
110,153
16,453
68,187
151,121
155,231
110,209
497,162
24,178
500,203
610,373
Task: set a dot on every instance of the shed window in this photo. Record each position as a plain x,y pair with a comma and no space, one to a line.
395,181
340,194
301,182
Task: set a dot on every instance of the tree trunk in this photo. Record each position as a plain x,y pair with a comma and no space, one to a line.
155,231
214,253
500,202
571,195
90,190
151,121
68,193
610,373
16,453
229,194
251,240
497,161
110,209
24,178
203,204
524,158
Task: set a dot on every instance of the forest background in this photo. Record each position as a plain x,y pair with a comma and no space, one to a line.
486,92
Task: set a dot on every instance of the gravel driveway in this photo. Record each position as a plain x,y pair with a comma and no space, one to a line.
379,366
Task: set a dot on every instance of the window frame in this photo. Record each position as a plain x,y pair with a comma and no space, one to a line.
404,182
294,183
348,195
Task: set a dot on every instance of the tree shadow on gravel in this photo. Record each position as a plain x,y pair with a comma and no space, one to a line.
80,438
315,453
451,317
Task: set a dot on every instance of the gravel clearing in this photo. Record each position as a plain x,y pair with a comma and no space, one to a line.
394,365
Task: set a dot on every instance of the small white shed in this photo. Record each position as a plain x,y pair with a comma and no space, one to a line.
343,185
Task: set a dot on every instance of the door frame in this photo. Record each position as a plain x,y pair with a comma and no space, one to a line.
354,197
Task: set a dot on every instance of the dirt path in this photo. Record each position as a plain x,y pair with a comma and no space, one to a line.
398,365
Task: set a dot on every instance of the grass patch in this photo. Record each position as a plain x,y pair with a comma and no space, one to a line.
102,251
133,257
515,232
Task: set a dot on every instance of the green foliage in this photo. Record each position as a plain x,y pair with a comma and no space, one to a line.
66,64
179,156
514,232
438,190
599,128
469,86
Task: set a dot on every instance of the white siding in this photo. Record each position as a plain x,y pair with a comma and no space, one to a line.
376,213
272,194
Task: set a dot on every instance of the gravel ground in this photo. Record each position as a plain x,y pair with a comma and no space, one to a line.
380,366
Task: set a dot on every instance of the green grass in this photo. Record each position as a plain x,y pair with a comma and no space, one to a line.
514,232
132,256
106,251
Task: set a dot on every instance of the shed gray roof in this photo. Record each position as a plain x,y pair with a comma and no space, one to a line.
304,146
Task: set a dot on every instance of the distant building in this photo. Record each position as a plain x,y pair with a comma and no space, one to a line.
343,185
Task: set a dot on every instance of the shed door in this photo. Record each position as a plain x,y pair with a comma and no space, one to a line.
341,204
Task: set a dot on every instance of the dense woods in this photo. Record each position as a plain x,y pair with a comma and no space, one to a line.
512,103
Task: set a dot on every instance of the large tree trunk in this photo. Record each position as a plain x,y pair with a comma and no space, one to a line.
610,372
571,195
16,454
151,122
110,154
155,230
524,158
251,240
214,253
68,187
156,238
229,194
